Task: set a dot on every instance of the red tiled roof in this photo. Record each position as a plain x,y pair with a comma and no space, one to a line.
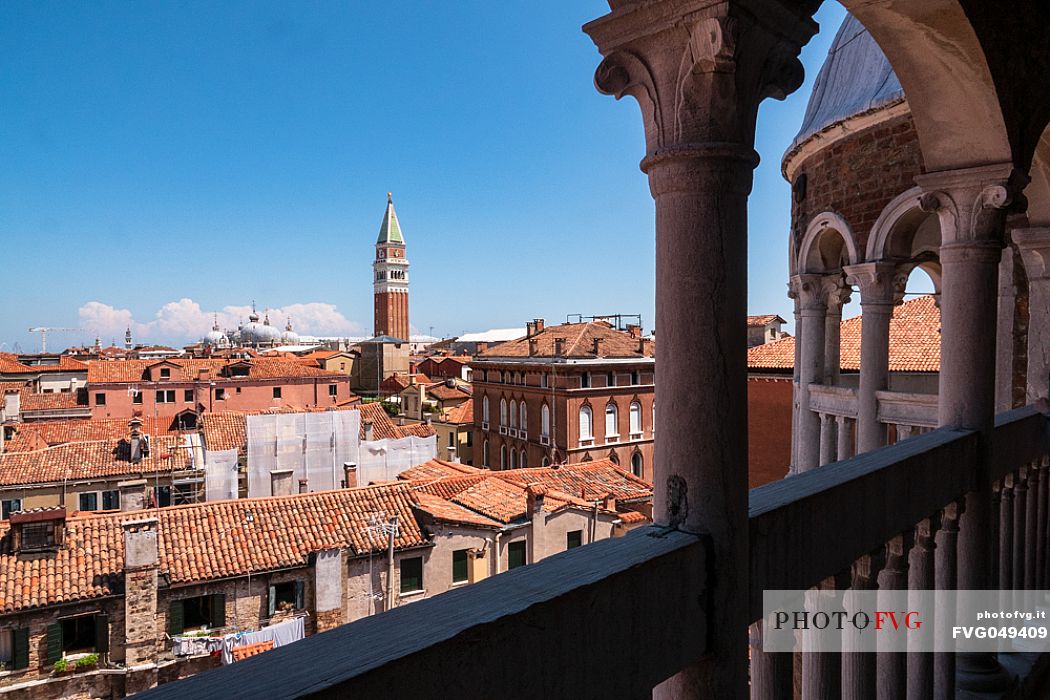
98,459
764,320
50,402
436,469
915,342
446,511
442,392
56,432
460,414
205,541
260,368
9,364
579,342
590,481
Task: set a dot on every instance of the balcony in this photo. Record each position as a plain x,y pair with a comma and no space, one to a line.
541,607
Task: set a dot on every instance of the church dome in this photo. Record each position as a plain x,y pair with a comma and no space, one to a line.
289,337
214,337
856,78
255,333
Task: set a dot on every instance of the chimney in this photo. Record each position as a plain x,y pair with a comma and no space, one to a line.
609,502
302,485
141,562
634,330
534,498
598,347
450,383
539,324
132,494
138,442
533,346
530,329
453,454
281,482
350,475
368,430
534,503
559,346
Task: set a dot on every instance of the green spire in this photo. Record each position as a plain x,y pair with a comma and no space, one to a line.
390,231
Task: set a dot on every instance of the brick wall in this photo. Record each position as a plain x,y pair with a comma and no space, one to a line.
768,428
858,175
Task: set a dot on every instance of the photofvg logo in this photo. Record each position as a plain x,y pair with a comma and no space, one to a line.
835,621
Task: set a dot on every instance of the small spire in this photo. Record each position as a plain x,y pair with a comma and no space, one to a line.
389,197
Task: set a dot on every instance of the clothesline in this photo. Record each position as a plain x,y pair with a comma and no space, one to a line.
281,633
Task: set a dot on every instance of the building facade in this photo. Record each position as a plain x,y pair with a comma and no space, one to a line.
563,394
391,278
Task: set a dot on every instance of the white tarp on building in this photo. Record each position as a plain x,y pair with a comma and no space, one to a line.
313,446
220,475
383,460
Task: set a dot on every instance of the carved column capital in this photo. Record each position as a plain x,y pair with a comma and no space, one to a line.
972,203
699,71
1034,244
881,283
811,292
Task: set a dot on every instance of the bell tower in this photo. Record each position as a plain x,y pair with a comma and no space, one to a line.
391,277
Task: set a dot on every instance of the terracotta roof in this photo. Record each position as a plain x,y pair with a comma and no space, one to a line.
55,432
460,414
133,371
446,511
436,469
12,387
630,516
205,541
587,480
49,402
98,459
764,320
579,342
449,486
9,364
442,392
226,430
915,342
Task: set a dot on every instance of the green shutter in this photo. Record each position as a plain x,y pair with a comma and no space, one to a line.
54,642
20,648
273,601
460,571
218,610
102,633
176,618
300,595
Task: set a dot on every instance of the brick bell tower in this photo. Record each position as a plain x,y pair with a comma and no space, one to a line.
391,277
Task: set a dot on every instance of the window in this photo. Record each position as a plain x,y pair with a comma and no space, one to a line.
287,596
89,501
14,648
610,379
460,572
543,380
545,421
586,423
635,378
546,462
611,420
524,459
277,392
38,535
187,395
333,390
83,633
585,380
502,412
166,396
513,459
201,612
165,373
136,396
452,439
485,409
100,399
636,464
469,442
513,414
238,390
524,414
184,493
502,456
163,494
485,453
636,417
12,505
411,574
516,555
573,539
220,394
111,500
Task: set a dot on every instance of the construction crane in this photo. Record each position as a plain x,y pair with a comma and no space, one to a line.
44,330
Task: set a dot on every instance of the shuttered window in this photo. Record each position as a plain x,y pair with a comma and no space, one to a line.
20,648
459,566
54,642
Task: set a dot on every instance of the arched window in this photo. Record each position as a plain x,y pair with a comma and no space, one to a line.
612,417
586,423
513,459
615,459
502,456
636,464
545,421
513,413
636,417
485,409
524,459
524,413
502,412
546,462
485,453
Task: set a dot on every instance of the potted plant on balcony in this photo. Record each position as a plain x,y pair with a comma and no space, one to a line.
88,662
62,666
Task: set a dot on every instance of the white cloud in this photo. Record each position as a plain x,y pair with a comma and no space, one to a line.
184,320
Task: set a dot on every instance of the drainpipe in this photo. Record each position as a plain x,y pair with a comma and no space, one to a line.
390,565
495,551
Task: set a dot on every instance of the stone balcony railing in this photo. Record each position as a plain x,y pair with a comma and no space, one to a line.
616,617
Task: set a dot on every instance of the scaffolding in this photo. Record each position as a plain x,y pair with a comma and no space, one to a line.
313,446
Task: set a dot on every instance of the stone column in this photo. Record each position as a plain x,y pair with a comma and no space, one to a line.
812,298
1006,533
699,78
858,666
771,672
1004,334
945,579
920,583
892,666
1032,529
1020,534
881,287
838,294
845,438
828,439
971,205
795,405
1035,252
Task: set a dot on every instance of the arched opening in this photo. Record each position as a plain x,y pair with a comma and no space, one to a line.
827,246
637,464
586,423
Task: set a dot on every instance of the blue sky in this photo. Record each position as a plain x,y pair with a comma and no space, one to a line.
166,160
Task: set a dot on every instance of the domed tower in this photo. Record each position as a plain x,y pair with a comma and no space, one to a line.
391,277
214,338
289,337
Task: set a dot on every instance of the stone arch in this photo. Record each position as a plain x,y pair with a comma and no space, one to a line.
1038,191
951,91
904,233
827,245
